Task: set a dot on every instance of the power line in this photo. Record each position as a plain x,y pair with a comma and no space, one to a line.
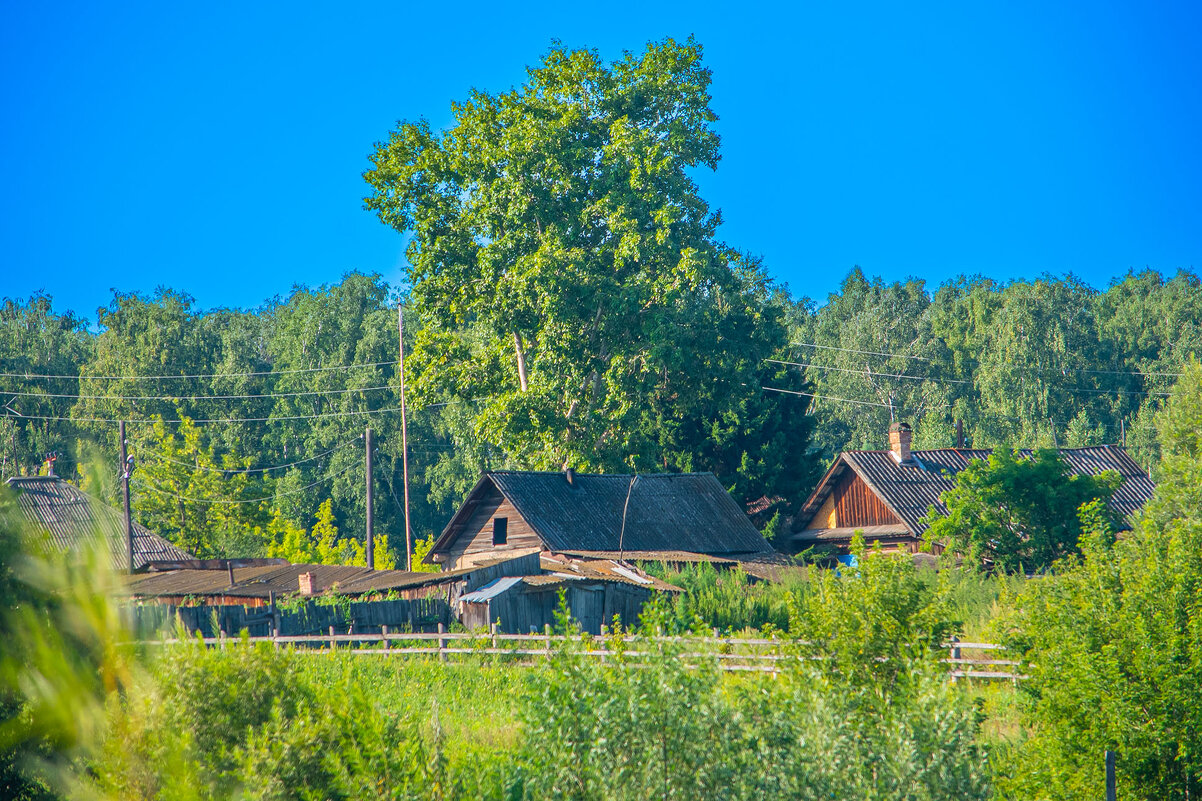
18,416
937,380
194,397
197,375
925,359
162,458
161,491
825,397
864,373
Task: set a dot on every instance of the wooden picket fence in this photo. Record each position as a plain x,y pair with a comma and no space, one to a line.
764,655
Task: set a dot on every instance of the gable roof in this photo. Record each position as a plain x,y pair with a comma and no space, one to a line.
908,491
667,512
70,516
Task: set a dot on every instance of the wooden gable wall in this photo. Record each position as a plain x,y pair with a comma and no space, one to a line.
473,541
854,504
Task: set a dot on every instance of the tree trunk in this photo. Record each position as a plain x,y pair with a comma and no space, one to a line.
517,346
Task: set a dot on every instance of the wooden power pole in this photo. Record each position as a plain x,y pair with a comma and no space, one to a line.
400,316
126,469
371,545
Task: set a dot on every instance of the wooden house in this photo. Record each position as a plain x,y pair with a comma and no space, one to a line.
885,494
70,518
657,517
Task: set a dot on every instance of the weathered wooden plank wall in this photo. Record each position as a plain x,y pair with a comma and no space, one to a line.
422,614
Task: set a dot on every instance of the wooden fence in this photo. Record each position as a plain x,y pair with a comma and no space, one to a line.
764,655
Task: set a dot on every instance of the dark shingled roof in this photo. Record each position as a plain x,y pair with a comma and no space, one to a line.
668,512
910,490
69,516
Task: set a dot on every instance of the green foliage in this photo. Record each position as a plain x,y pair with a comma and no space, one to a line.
728,600
875,622
570,285
1018,514
1036,363
665,725
1113,644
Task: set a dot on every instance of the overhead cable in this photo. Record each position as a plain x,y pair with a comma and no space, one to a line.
197,397
926,359
18,416
938,380
825,397
162,458
200,375
170,494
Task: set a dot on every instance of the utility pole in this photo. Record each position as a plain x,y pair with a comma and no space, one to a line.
400,317
371,545
960,434
127,466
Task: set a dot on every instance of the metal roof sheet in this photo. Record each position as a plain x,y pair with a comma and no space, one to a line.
490,590
70,517
667,512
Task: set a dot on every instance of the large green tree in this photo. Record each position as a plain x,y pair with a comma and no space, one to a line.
571,285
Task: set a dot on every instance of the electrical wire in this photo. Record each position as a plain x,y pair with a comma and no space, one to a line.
825,397
195,397
161,491
198,375
18,416
937,380
162,458
925,359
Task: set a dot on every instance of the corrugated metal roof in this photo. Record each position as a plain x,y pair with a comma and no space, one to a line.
603,569
667,512
490,590
71,517
909,491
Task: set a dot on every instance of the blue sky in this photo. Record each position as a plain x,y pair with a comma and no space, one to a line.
217,148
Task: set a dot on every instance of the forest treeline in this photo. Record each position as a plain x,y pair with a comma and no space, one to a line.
246,425
568,303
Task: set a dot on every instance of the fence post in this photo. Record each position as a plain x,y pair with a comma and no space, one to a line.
1111,790
384,632
492,629
275,632
442,657
955,647
547,635
221,636
333,645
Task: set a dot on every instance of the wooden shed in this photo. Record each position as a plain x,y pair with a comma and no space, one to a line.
525,604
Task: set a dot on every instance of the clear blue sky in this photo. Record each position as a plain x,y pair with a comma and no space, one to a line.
217,147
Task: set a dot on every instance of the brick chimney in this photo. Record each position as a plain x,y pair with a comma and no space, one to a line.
899,442
307,585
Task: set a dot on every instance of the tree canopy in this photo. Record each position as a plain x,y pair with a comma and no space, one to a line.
571,288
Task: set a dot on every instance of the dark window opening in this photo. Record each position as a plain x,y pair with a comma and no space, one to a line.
500,530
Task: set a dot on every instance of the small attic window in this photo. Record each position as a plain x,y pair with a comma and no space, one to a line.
500,530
